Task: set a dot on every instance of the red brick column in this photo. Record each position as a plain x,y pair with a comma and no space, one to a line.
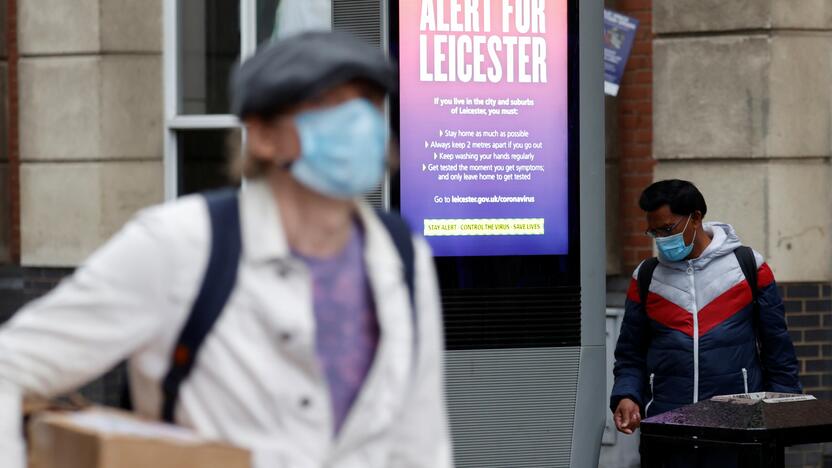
13,151
635,134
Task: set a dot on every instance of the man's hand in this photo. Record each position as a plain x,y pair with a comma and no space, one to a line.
627,416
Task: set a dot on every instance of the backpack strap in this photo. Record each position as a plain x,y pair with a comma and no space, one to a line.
748,264
217,284
403,240
645,277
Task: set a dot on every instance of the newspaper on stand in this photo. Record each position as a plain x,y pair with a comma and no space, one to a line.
765,397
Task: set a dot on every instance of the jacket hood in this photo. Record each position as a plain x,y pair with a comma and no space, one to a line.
724,240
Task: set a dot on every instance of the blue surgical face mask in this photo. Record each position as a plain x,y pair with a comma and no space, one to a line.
342,149
673,248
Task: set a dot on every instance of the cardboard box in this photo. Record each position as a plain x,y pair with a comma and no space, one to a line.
104,438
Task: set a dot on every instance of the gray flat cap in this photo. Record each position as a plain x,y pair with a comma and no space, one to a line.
299,67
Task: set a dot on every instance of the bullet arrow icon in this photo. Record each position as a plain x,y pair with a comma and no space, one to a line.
426,143
434,156
423,167
440,133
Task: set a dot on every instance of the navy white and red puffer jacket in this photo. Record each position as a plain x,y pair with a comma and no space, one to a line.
697,336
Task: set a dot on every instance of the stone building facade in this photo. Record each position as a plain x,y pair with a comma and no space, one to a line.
89,123
81,137
733,95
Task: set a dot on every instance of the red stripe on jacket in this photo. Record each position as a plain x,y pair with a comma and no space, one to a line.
725,306
764,276
669,314
632,292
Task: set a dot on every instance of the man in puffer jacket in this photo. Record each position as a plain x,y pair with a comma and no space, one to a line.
698,335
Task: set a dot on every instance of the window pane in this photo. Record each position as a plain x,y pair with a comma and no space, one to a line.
266,17
281,18
203,159
209,45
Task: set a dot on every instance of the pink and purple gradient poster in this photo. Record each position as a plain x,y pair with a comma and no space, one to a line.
484,125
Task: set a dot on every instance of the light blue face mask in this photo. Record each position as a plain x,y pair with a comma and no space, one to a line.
342,149
673,248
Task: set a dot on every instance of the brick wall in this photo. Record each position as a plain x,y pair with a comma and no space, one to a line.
809,316
635,134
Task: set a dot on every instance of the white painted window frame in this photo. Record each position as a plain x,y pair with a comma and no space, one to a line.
175,121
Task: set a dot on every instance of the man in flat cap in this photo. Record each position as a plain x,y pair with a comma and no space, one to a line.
289,318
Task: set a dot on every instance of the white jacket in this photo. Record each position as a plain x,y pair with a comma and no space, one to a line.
257,382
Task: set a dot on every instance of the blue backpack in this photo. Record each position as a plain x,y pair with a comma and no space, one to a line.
221,275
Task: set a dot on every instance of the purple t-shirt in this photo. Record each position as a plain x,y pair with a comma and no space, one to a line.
346,328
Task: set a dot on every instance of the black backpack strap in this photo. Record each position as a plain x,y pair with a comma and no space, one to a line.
403,240
748,264
645,277
217,284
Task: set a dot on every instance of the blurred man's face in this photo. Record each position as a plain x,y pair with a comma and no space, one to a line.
276,140
340,94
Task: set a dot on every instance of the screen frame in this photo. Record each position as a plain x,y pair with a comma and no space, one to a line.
511,271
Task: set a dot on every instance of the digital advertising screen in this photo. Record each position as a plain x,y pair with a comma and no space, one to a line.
483,121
